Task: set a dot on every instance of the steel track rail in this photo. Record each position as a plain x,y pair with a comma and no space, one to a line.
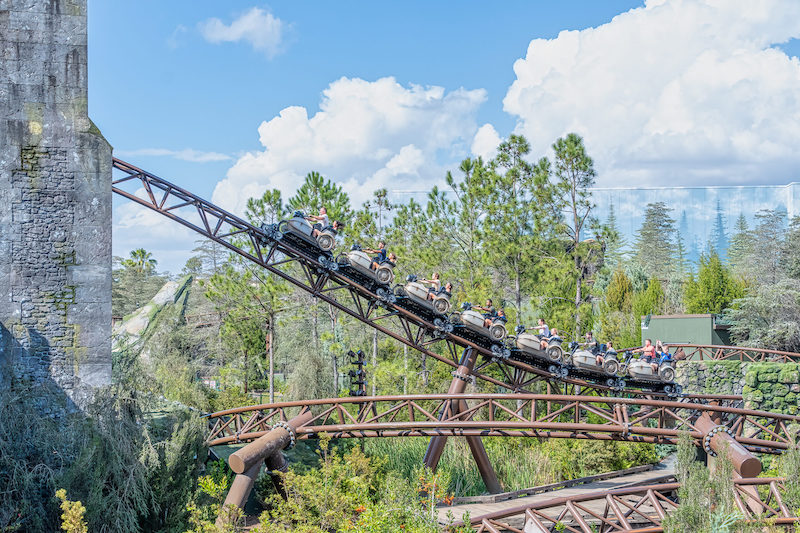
637,509
536,415
278,257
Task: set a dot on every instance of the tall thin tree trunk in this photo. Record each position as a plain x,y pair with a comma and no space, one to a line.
405,369
332,316
578,297
517,293
374,360
424,370
271,340
245,373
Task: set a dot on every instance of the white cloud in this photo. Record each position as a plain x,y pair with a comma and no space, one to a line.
675,92
261,29
175,39
194,156
486,142
366,135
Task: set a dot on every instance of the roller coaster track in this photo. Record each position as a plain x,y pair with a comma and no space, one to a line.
305,271
714,352
523,415
635,509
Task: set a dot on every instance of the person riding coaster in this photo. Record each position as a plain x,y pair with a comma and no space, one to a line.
377,278
300,229
595,359
531,344
489,325
437,302
656,366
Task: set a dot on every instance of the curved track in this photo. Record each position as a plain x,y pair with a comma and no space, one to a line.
636,509
716,352
305,271
524,415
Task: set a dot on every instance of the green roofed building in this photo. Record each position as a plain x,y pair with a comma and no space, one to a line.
686,329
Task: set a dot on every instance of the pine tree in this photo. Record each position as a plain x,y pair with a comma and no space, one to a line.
318,192
655,241
741,244
615,242
718,241
715,288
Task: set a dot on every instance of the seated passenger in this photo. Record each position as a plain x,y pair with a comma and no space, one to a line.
378,259
543,333
334,228
648,352
319,221
501,316
435,284
488,312
663,355
447,290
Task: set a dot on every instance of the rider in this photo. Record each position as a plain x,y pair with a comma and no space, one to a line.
501,315
447,291
544,333
380,258
321,220
335,228
662,355
489,312
435,285
591,345
648,352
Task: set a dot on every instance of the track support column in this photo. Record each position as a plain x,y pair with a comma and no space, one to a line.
436,446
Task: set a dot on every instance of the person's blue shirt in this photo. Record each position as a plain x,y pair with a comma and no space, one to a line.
381,257
665,357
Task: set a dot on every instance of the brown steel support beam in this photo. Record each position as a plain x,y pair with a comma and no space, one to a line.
436,446
744,462
238,493
276,440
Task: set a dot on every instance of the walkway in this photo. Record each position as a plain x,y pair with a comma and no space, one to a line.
665,468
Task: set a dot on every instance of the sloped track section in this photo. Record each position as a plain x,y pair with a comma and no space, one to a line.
716,352
307,272
635,509
522,415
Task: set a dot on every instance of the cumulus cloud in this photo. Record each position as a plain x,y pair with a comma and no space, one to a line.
675,92
486,142
366,135
261,29
187,154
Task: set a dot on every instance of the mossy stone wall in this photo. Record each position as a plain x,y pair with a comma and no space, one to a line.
771,387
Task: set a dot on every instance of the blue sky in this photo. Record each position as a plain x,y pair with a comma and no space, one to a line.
229,98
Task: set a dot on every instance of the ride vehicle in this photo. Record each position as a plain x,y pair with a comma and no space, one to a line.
299,232
414,296
583,362
470,324
358,266
528,349
640,373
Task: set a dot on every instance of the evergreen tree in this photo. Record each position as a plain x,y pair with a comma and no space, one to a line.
650,301
655,241
511,230
764,262
619,293
718,241
741,244
573,174
791,249
266,210
715,288
615,242
318,192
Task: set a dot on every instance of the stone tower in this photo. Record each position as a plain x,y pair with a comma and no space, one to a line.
55,205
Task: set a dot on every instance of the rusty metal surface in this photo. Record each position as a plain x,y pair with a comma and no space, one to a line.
640,509
304,270
524,415
716,352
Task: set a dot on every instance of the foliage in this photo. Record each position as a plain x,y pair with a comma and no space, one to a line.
316,192
707,503
352,492
715,288
72,516
133,284
768,316
655,241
